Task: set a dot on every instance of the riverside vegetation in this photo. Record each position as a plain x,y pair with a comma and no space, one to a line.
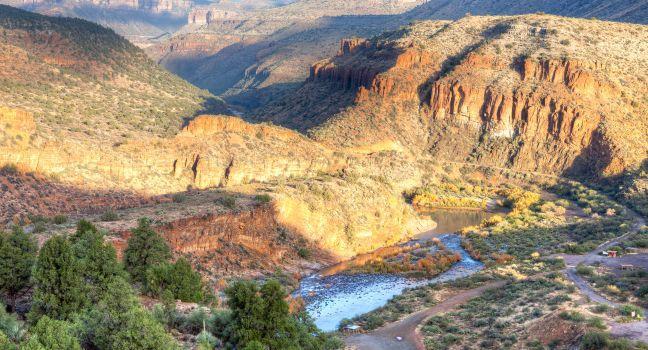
83,297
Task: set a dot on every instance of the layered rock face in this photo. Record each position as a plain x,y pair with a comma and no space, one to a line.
249,242
211,151
261,54
523,92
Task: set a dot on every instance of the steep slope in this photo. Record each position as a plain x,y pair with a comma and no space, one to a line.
100,126
535,92
81,80
633,11
253,57
139,21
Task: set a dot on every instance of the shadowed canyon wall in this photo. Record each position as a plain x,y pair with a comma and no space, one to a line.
522,92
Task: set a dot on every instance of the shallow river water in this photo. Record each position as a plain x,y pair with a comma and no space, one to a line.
330,299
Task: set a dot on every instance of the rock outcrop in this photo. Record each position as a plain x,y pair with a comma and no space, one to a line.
211,151
520,92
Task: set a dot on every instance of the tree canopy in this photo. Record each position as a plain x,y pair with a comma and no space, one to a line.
145,249
179,278
60,289
49,334
17,257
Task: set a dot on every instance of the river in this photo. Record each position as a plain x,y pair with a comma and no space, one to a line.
330,299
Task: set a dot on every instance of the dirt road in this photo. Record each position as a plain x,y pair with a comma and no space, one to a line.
634,330
385,337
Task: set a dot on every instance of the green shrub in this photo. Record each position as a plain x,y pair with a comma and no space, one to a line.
17,257
206,341
194,322
623,344
9,325
52,335
179,198
9,169
596,322
109,216
304,252
595,341
573,316
373,322
118,321
145,249
628,309
601,308
263,198
58,275
228,202
584,270
39,227
60,219
640,243
179,278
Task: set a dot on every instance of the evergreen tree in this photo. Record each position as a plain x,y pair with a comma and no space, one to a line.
261,319
247,312
118,322
60,290
277,325
145,249
49,334
17,257
98,259
179,278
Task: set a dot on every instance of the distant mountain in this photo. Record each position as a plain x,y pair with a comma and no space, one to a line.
633,11
81,80
139,21
252,57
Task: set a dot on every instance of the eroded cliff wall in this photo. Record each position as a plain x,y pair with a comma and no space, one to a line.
527,92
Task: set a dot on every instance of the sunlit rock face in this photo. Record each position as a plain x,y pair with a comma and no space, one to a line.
522,92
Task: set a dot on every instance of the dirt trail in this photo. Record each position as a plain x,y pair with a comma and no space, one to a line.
385,337
635,330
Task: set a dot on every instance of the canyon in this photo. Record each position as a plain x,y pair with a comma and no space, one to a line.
490,98
504,92
258,56
344,166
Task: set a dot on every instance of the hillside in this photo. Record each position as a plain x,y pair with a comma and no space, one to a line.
633,11
536,92
138,21
253,57
81,80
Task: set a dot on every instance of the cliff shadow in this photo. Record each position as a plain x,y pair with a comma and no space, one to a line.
245,74
448,65
27,195
222,232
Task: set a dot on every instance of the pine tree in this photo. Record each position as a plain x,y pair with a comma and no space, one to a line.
145,249
17,257
118,322
60,289
178,278
247,312
98,259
